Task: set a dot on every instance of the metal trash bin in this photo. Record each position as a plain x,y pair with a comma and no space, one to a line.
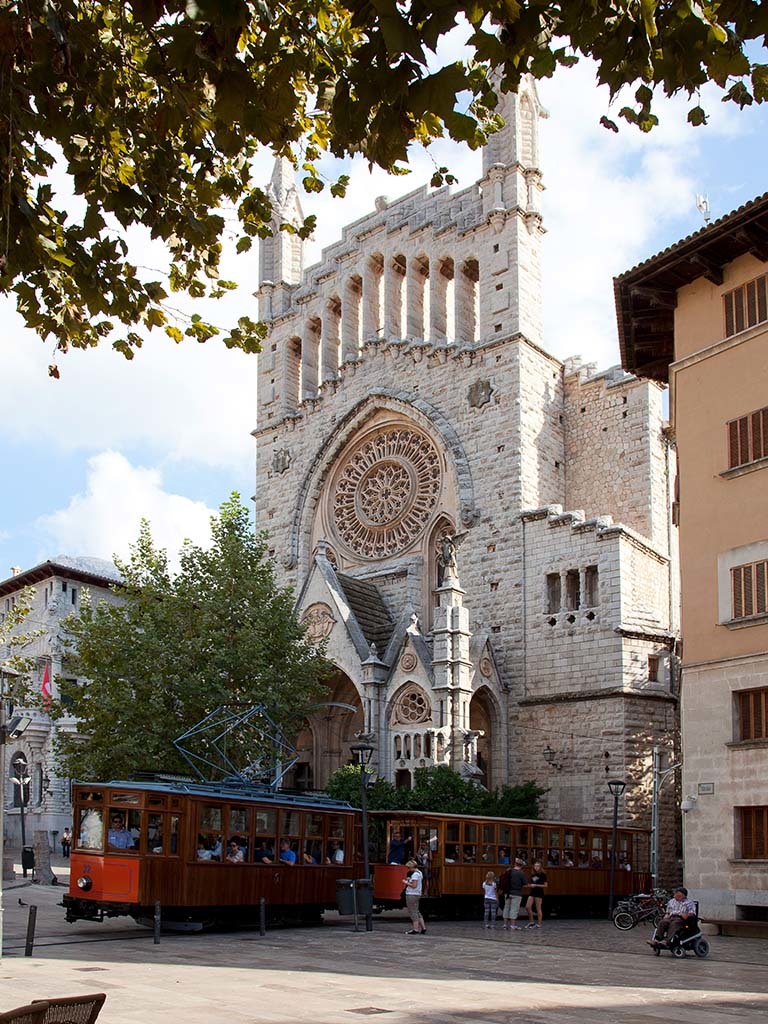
354,896
27,858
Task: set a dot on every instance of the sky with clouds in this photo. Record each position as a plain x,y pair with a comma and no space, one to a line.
167,436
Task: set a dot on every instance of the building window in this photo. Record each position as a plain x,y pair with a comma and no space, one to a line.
64,587
753,714
746,306
591,590
553,593
653,668
748,438
749,585
754,832
572,589
74,595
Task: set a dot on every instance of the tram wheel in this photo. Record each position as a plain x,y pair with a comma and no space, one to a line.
624,921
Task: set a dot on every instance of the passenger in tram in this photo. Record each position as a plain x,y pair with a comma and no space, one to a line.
287,856
553,859
312,852
335,853
567,859
583,859
503,855
118,836
216,849
396,852
263,854
235,853
470,854
203,849
451,854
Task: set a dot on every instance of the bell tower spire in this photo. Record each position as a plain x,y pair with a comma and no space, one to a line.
281,254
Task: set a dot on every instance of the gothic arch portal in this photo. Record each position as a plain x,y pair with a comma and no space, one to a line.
324,740
484,717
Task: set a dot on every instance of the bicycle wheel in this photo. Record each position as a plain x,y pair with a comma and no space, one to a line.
624,921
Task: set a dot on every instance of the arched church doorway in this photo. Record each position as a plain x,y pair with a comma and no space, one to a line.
481,719
323,742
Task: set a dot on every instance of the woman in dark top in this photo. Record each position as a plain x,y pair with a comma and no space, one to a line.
538,884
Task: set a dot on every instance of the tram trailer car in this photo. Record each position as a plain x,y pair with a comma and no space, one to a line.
457,851
207,853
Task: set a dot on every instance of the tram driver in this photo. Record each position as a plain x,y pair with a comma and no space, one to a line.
118,836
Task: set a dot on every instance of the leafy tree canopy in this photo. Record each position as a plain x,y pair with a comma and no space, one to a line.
174,647
16,637
439,789
155,108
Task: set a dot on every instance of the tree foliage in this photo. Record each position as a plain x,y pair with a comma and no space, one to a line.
16,637
155,108
438,789
177,646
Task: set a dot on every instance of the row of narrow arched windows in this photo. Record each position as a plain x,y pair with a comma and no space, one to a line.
413,299
416,745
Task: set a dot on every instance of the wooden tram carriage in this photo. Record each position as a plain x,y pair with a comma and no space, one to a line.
457,851
179,837
138,843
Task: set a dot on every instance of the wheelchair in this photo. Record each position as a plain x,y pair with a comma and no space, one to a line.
688,938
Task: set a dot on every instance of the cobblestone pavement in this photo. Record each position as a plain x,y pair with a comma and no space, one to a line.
459,973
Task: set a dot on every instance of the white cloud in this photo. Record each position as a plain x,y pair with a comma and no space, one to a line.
105,520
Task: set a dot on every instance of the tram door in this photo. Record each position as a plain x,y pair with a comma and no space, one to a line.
426,853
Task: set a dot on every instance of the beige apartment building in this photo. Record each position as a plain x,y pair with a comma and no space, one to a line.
697,315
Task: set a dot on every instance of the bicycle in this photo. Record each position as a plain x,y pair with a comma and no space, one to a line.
642,907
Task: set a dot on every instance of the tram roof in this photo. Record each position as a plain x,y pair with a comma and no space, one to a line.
547,822
242,791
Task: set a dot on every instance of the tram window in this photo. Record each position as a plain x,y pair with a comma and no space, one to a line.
264,850
155,833
334,853
505,835
210,817
470,833
503,855
156,801
237,850
426,844
336,826
291,823
538,837
134,799
583,840
238,819
452,832
568,840
452,854
537,854
313,851
173,848
583,861
469,854
597,851
90,833
92,797
124,832
489,834
553,858
489,855
313,825
266,823
523,834
521,854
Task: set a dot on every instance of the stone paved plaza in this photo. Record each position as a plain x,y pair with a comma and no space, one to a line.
575,971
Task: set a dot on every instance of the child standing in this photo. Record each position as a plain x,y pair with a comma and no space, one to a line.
490,900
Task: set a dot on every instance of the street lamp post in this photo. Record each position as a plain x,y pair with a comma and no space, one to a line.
363,752
22,780
617,787
659,778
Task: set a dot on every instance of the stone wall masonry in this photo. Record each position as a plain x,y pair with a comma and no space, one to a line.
615,449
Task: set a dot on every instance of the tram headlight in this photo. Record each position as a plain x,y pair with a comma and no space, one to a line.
84,883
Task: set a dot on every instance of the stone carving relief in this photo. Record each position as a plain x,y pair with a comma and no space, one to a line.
486,667
386,492
281,460
408,662
479,393
318,621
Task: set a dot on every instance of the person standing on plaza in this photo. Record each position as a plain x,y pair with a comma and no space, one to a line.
490,900
414,883
535,900
66,843
511,884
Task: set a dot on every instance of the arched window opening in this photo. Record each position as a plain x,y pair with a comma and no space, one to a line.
310,358
481,720
293,382
350,320
373,283
418,298
446,272
394,287
467,303
331,339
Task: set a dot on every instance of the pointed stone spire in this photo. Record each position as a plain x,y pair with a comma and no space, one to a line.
281,255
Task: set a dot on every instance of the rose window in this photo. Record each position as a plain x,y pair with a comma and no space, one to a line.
413,707
386,492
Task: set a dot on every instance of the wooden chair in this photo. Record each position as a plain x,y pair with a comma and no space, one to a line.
72,1009
32,1014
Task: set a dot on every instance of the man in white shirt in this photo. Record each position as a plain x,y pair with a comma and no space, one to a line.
679,909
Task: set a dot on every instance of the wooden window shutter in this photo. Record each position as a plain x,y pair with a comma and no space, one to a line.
730,323
746,832
737,583
738,302
758,438
733,443
751,303
761,586
744,440
747,576
762,296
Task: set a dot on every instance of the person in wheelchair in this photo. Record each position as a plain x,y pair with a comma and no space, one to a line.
680,912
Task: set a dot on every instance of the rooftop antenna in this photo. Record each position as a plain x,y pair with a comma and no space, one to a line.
702,205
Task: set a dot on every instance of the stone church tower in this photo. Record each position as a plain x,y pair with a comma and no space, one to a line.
480,530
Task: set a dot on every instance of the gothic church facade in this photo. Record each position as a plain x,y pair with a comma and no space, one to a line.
480,531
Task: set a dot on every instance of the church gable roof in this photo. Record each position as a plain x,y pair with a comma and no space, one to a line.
369,609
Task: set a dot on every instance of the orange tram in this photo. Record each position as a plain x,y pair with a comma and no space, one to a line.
216,853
